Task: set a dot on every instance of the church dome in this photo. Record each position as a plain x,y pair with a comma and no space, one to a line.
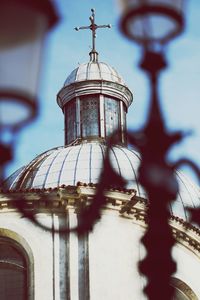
94,78
78,163
94,70
83,163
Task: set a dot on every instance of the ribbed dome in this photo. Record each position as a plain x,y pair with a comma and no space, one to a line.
83,162
94,71
69,165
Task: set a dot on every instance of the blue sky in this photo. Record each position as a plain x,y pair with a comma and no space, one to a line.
66,48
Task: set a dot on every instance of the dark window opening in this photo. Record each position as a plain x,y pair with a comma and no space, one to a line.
13,272
89,106
112,115
70,122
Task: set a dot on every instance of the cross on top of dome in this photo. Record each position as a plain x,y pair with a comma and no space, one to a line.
93,27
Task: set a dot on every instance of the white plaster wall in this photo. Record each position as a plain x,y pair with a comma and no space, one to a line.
188,267
114,252
115,249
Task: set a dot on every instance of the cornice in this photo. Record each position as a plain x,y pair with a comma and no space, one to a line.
185,233
89,87
125,201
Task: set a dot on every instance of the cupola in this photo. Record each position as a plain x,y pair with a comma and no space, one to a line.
94,99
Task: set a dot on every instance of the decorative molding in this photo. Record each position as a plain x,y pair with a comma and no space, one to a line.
88,87
125,201
184,288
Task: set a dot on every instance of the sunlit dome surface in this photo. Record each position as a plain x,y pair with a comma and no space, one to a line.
73,164
94,71
83,163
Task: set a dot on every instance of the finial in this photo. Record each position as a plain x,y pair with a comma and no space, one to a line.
93,27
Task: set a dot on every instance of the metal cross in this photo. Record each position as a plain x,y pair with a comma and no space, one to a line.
93,27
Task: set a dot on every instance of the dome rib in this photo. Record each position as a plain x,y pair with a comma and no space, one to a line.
102,151
185,187
76,163
62,166
111,72
184,211
16,175
99,71
87,71
136,180
76,74
84,162
102,71
116,161
94,78
170,208
23,178
48,170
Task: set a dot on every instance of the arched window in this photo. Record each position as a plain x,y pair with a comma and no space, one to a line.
13,271
180,296
182,290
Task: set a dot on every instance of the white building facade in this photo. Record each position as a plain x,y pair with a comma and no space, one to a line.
101,264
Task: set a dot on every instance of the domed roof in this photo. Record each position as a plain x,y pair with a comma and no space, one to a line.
94,78
94,70
83,163
72,164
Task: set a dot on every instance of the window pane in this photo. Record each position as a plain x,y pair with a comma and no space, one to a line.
124,116
89,116
111,115
12,284
70,122
13,279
